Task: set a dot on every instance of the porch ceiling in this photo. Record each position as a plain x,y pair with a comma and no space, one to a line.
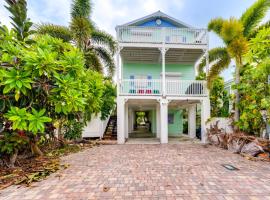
142,104
153,55
182,103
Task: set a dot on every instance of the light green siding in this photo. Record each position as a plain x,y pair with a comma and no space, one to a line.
176,128
187,71
153,121
138,70
141,70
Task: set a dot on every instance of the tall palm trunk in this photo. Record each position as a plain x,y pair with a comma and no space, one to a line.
237,95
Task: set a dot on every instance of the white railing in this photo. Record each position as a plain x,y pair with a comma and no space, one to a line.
140,87
131,34
186,88
154,87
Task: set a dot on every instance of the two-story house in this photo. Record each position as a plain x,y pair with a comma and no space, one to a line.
156,76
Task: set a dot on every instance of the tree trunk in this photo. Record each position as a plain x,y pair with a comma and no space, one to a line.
13,158
237,95
35,149
60,136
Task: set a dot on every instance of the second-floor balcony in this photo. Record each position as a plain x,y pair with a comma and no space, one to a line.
155,87
161,35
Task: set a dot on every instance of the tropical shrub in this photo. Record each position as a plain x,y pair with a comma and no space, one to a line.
73,130
45,82
219,99
254,88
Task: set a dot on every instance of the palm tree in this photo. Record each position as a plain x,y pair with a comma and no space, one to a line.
98,46
235,34
21,24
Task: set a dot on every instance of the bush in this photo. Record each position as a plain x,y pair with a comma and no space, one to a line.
73,130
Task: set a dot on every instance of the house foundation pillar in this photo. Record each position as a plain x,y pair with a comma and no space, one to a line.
126,120
205,115
192,121
120,120
164,121
158,117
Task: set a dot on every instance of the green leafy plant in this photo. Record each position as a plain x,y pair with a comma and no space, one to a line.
36,121
23,120
219,99
17,80
73,130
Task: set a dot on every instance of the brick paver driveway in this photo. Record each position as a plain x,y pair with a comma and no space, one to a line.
174,171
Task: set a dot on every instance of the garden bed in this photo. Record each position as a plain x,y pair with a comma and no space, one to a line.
30,169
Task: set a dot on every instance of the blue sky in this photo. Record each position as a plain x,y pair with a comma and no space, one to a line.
109,13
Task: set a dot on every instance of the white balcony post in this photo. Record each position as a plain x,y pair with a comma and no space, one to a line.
164,121
120,120
192,121
163,51
205,115
158,120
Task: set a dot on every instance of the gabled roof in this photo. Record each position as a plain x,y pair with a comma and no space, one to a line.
155,15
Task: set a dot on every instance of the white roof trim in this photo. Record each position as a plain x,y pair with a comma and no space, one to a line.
157,14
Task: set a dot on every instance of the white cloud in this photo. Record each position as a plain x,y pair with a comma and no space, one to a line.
109,13
4,19
106,13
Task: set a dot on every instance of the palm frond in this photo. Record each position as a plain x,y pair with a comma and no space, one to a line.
81,30
215,54
81,8
106,59
105,39
60,32
92,61
257,30
253,15
217,68
216,25
21,24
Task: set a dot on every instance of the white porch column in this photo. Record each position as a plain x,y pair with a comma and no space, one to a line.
120,120
126,120
163,51
163,121
205,115
158,117
118,70
192,121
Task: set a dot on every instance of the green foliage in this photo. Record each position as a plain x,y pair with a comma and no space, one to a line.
16,80
44,83
12,142
21,24
254,88
259,47
26,121
254,15
255,95
36,121
219,99
235,33
231,29
98,47
60,32
108,97
73,130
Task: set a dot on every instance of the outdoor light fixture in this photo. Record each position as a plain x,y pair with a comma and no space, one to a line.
229,167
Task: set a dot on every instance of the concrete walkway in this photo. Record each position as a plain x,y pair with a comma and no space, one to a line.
173,171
